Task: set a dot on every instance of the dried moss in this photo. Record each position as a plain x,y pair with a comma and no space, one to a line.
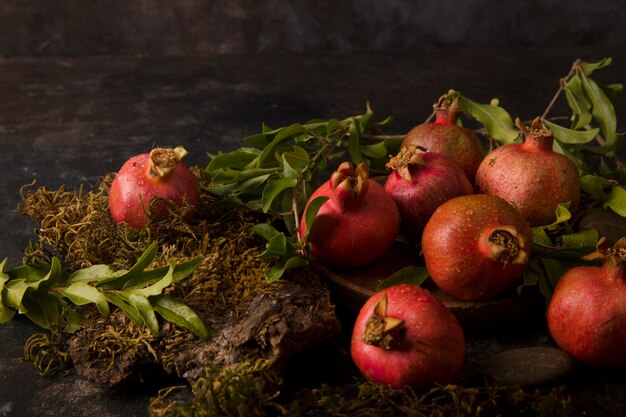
77,227
254,390
47,353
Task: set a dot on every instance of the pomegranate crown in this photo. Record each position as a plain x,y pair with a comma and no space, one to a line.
447,109
350,185
612,255
409,156
379,327
536,130
165,160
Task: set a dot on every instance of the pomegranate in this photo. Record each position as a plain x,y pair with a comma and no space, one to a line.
357,224
587,311
147,182
476,246
404,336
445,136
422,181
531,176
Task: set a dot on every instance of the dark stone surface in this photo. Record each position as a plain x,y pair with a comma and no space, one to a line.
72,120
162,27
529,367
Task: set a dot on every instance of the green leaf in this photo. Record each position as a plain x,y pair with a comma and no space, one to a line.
354,143
284,134
144,309
43,308
311,212
412,274
616,200
277,246
570,136
92,273
81,293
376,150
273,189
594,185
581,114
175,311
128,308
584,239
117,282
589,67
6,314
266,231
238,159
297,159
277,271
541,238
14,291
602,111
495,119
158,287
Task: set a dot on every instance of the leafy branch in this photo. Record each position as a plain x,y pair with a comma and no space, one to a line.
44,294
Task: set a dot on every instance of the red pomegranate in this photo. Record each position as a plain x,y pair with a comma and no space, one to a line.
404,336
146,183
357,224
445,136
420,182
531,176
587,311
476,246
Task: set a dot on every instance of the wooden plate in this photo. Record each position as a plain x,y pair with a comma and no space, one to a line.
352,287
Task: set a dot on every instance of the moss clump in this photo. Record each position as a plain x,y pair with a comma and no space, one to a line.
253,389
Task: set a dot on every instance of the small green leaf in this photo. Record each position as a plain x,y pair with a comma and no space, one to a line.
569,136
43,308
583,239
266,231
616,200
158,287
238,159
297,159
311,212
354,143
495,119
541,238
129,309
6,314
14,291
277,246
412,274
92,273
175,311
81,293
118,282
277,271
581,114
589,67
594,185
284,134
144,309
602,111
273,188
376,150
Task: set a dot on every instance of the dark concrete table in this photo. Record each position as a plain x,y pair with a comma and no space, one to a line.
68,121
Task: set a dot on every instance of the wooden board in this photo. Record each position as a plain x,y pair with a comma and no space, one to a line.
352,287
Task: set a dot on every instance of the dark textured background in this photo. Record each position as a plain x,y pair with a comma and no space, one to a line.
190,27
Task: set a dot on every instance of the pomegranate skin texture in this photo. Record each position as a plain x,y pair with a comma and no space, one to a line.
587,312
158,174
531,176
476,246
358,222
404,336
445,136
420,182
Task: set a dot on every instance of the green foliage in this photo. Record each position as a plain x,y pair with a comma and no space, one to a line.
557,248
411,274
42,293
273,172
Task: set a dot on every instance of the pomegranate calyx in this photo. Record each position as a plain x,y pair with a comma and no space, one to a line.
614,256
408,157
379,326
165,160
349,185
506,245
447,109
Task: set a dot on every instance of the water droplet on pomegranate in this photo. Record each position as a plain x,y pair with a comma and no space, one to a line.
469,212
